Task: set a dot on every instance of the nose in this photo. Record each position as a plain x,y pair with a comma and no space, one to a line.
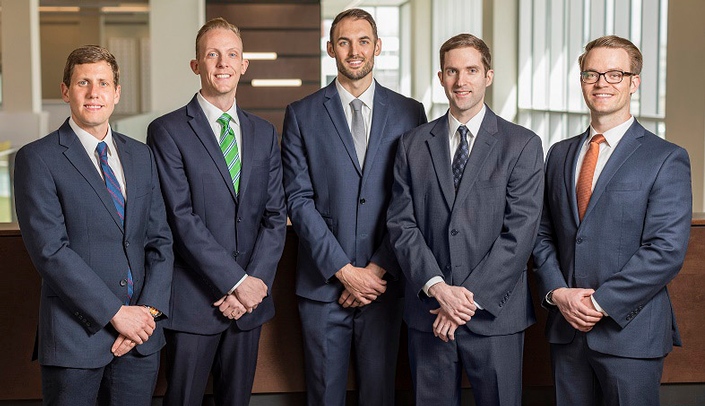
222,62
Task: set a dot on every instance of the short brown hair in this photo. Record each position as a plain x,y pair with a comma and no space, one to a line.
467,41
90,54
216,23
356,14
613,41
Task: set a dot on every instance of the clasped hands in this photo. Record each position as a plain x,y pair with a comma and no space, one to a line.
244,299
134,325
457,308
362,285
577,308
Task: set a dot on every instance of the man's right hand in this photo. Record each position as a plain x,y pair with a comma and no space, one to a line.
576,307
134,322
363,283
457,302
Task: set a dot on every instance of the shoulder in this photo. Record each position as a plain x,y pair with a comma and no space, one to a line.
423,132
312,99
174,117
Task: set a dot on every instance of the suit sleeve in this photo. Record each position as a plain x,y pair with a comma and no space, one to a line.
42,224
311,228
384,256
272,229
192,238
506,260
159,255
664,242
546,263
415,257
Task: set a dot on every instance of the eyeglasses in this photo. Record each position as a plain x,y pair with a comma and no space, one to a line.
612,77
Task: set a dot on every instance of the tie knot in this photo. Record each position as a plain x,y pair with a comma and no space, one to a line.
463,131
224,120
598,139
356,104
102,149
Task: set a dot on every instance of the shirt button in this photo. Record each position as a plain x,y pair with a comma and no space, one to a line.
123,282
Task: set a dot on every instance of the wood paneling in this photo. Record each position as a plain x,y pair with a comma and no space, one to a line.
271,97
269,16
286,43
306,69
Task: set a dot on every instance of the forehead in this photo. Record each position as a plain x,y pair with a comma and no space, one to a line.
352,27
606,58
461,57
101,69
220,38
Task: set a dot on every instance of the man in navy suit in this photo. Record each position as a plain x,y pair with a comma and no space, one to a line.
337,150
93,221
463,218
225,205
611,238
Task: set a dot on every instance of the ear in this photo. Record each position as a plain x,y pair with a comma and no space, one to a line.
634,84
330,49
64,92
489,78
378,46
245,64
117,94
194,66
440,76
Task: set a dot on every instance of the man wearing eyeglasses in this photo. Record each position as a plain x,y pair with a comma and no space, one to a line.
613,234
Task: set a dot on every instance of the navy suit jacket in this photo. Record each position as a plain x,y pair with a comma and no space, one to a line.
337,209
630,244
218,237
82,251
479,238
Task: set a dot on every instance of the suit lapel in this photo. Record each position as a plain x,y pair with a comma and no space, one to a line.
439,147
484,142
247,136
570,175
128,170
377,132
626,147
199,125
337,116
76,154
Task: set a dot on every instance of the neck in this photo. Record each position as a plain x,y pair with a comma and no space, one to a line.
355,87
222,101
602,124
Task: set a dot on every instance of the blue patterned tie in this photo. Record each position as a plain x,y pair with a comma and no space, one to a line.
461,156
113,186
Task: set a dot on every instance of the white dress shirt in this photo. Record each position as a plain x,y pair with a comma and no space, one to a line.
367,98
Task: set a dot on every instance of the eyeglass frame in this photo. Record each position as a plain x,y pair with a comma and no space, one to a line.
604,75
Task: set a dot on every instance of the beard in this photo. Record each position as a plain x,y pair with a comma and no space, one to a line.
356,74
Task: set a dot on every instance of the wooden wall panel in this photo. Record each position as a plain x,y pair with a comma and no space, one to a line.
293,31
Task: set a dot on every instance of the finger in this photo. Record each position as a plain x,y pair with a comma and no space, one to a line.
451,332
118,342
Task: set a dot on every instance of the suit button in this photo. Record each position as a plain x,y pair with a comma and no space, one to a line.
236,253
362,201
88,324
239,219
579,240
123,282
127,244
453,232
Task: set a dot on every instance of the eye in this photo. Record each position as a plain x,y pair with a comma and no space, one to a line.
614,75
473,70
82,82
451,71
233,54
211,54
343,43
364,42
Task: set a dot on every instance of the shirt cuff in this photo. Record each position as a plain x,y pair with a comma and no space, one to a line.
597,306
230,292
431,282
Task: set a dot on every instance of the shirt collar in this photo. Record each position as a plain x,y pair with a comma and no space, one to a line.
213,113
89,142
367,97
473,124
613,135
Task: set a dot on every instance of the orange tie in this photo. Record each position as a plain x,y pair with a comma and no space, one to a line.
587,172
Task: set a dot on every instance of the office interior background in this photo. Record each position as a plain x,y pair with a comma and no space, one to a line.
534,43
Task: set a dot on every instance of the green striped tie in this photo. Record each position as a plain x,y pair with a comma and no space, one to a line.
228,146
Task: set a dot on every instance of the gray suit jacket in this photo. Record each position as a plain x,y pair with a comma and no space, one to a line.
630,244
82,251
337,209
479,238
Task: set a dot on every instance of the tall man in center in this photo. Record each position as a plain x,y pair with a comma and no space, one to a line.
338,149
464,214
221,168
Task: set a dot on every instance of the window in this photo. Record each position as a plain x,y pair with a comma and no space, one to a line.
553,33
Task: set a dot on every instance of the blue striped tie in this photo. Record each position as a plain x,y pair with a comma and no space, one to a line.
113,186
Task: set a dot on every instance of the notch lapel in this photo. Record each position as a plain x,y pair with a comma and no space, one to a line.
128,170
199,125
76,154
570,174
439,147
337,116
481,149
247,136
377,130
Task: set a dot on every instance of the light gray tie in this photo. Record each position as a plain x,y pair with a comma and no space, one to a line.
358,131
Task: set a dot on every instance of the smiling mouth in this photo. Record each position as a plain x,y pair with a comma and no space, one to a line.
93,106
223,76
